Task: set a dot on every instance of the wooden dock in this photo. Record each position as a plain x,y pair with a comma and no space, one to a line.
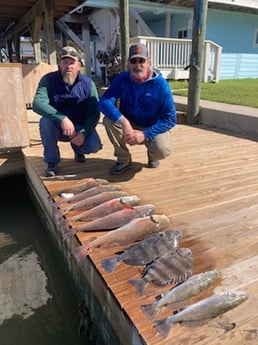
209,189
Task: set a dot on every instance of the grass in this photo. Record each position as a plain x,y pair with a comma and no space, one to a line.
235,91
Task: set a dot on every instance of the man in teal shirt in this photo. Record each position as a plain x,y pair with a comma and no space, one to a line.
67,102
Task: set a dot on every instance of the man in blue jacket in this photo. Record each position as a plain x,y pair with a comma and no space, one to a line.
146,112
67,102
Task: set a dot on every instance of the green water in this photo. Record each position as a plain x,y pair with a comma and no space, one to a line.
38,304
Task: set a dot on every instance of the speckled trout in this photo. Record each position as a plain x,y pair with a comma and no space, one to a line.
135,230
191,287
111,221
203,311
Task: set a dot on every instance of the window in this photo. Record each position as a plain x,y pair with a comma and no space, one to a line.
182,33
255,44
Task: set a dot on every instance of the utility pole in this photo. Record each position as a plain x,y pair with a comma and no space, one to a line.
196,63
124,31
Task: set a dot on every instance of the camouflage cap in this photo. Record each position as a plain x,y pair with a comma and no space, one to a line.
69,52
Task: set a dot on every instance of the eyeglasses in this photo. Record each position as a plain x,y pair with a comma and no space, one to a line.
139,60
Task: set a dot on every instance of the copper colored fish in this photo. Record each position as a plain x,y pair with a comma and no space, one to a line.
191,287
93,201
88,193
113,220
106,208
203,311
135,230
171,268
149,249
78,188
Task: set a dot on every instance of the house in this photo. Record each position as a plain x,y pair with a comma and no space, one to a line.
231,25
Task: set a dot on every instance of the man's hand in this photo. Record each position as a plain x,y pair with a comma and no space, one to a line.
67,127
78,139
131,136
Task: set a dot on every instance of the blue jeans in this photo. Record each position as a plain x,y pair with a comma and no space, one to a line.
51,132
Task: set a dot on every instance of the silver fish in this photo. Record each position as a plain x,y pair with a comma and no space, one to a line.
113,220
135,230
93,201
203,311
149,249
88,193
106,208
78,188
191,287
171,268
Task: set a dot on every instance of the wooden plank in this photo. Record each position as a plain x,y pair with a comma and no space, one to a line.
209,189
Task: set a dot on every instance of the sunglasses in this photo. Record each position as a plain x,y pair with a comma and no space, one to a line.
137,60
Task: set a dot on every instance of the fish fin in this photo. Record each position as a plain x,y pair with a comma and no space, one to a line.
150,310
80,253
163,327
140,285
110,264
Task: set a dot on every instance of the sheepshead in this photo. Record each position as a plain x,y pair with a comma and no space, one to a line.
78,188
203,311
106,208
93,201
146,251
88,193
191,287
113,220
135,230
171,268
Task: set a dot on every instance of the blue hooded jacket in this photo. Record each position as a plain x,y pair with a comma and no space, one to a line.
149,104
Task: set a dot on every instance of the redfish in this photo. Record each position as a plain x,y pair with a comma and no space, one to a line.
88,193
135,230
171,268
191,287
149,249
113,220
78,188
106,208
93,201
203,311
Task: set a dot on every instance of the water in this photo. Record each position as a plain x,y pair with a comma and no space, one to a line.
38,304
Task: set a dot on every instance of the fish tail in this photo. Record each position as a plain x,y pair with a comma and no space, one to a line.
140,285
110,264
69,234
163,326
150,310
80,253
65,226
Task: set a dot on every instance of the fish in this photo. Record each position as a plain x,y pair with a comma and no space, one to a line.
113,220
88,193
106,208
203,311
135,230
78,188
191,287
171,268
6,240
146,251
93,201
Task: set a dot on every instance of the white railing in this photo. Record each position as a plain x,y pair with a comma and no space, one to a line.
171,56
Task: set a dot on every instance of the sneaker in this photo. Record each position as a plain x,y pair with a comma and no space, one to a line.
153,164
51,169
79,157
119,168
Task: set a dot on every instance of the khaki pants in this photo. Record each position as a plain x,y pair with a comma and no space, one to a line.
158,148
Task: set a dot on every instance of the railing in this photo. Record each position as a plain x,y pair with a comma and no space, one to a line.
171,56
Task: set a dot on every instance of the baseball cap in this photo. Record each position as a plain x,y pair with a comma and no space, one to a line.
70,52
138,50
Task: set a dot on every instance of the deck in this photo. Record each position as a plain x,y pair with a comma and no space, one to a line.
209,189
